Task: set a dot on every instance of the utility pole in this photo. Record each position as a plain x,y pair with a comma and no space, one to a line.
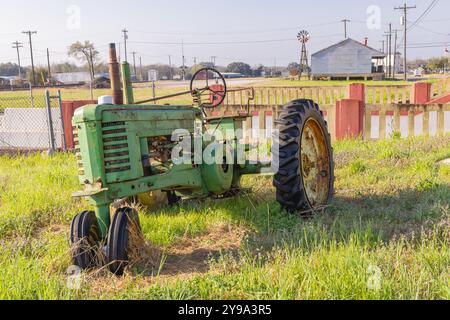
184,60
276,68
388,57
195,64
30,33
125,38
405,9
395,51
17,46
345,27
170,68
213,61
141,74
382,46
134,63
388,35
48,66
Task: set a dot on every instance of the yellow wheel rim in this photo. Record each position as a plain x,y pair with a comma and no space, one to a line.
315,160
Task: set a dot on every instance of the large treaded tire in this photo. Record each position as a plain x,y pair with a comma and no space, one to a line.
287,155
118,239
85,240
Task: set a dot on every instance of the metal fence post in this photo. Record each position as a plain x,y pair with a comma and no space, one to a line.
50,122
63,127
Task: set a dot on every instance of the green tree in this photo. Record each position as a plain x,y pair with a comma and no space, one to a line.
64,67
85,52
293,68
438,64
240,67
41,76
10,69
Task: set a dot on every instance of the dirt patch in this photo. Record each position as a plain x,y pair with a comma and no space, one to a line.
190,255
193,255
186,259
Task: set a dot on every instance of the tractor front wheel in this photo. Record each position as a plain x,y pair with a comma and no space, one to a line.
303,156
124,223
85,240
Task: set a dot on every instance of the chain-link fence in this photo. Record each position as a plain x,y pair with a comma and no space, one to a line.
31,123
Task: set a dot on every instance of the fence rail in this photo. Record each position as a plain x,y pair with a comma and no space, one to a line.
329,95
388,94
272,96
440,87
380,121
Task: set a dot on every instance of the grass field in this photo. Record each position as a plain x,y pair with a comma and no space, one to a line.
144,91
385,236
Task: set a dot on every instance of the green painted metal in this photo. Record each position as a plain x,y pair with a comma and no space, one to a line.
218,178
113,154
127,83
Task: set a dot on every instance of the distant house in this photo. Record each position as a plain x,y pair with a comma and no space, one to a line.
348,60
396,62
232,75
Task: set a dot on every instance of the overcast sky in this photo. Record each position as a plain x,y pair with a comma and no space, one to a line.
214,28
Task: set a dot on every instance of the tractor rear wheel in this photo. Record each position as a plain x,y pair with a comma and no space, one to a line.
125,221
303,157
85,240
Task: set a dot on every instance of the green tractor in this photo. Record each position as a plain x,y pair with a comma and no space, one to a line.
129,150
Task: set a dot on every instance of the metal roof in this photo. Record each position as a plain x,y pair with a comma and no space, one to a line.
375,53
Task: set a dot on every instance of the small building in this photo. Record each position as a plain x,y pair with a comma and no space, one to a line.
72,78
396,63
348,60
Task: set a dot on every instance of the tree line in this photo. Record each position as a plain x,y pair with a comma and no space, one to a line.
89,61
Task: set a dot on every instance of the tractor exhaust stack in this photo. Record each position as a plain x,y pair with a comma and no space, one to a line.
114,74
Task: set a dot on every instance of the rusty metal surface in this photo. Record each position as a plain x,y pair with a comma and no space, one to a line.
114,73
315,164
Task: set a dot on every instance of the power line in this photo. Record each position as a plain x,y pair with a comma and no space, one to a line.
234,33
228,42
424,14
435,32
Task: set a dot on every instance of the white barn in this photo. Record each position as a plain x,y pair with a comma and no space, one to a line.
348,60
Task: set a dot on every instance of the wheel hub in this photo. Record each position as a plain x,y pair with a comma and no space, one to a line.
315,164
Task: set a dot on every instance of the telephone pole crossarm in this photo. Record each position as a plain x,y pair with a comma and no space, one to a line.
17,45
405,9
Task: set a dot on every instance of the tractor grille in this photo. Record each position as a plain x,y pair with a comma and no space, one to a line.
115,147
78,155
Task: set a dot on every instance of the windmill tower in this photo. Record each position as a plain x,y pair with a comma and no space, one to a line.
304,36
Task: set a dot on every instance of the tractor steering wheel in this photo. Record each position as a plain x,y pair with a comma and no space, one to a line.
214,88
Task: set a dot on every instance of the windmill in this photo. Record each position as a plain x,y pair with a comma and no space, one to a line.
304,36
